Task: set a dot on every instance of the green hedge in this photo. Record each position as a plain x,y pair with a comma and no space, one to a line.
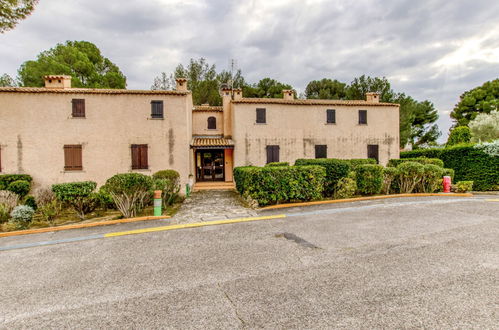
6,179
369,179
421,160
361,161
278,164
468,163
335,170
272,185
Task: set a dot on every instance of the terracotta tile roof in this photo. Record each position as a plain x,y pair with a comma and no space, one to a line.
214,142
207,108
312,102
87,91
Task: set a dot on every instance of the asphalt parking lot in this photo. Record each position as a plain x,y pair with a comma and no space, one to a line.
399,263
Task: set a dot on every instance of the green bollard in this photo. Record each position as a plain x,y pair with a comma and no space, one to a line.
157,203
187,190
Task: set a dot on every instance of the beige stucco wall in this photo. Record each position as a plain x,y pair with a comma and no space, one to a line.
298,128
200,123
35,127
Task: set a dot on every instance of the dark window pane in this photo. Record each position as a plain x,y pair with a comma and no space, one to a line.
272,154
362,116
78,108
156,109
321,151
261,116
373,152
331,116
212,123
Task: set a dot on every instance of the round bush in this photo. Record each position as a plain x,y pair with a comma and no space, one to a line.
129,192
345,189
22,215
166,174
20,187
389,176
431,180
460,134
410,173
30,201
369,179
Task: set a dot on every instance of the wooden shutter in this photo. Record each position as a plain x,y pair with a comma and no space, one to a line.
156,109
261,116
320,151
72,157
139,157
272,154
212,123
373,152
362,116
331,116
78,108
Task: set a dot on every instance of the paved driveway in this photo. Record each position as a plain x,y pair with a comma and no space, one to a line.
402,263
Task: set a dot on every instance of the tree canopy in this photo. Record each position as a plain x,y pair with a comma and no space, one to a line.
82,60
460,134
7,81
485,127
326,89
205,82
13,11
482,99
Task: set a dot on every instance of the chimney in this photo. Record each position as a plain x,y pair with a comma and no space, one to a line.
237,93
57,81
226,93
181,85
372,97
288,94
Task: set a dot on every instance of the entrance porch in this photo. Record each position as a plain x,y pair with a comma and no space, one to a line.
213,161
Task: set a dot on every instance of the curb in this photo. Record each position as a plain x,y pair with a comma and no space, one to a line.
81,225
367,198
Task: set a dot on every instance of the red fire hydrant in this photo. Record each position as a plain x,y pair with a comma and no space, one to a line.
447,184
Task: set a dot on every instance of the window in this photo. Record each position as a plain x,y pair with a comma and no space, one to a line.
373,152
72,157
362,117
272,154
212,123
78,108
331,116
157,109
320,151
139,157
261,116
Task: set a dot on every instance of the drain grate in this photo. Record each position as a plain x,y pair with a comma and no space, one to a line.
297,240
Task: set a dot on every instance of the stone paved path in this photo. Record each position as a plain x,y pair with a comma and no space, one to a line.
212,205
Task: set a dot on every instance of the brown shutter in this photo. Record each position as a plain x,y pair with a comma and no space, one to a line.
139,157
261,116
157,109
331,116
78,107
276,153
212,123
73,157
272,154
362,116
373,152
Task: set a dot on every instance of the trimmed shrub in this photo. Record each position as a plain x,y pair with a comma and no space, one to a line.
30,201
460,134
431,179
468,162
346,188
271,185
6,179
168,181
278,164
21,216
389,176
449,172
79,195
421,160
335,170
410,173
361,161
104,199
20,187
129,192
464,186
369,179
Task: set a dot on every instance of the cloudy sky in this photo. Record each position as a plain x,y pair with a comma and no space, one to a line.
429,49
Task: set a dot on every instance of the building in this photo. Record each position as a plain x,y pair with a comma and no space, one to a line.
63,134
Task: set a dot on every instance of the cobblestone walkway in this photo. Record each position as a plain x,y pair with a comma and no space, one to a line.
212,205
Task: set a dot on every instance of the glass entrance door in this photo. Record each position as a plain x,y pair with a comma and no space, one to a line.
210,165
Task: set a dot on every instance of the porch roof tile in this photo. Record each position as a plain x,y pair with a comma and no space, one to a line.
200,142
